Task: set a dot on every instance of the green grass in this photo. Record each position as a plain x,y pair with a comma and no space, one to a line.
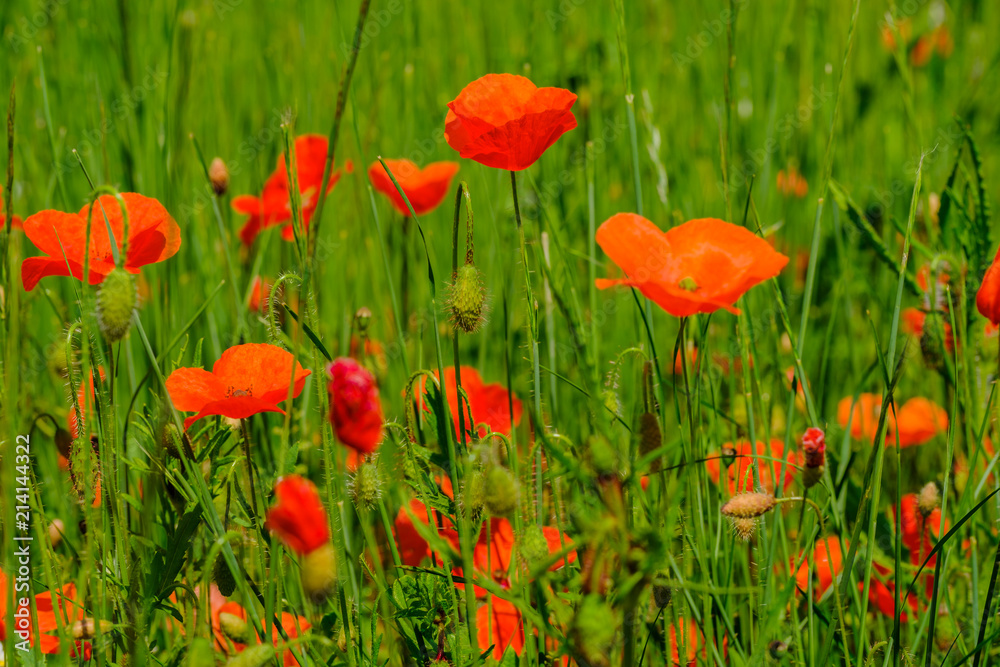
128,85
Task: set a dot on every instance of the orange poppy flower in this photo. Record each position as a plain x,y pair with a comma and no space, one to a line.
828,564
298,516
69,609
882,594
792,183
918,419
693,640
247,379
504,121
988,296
489,403
499,624
889,39
425,188
153,236
291,624
260,294
740,470
697,267
355,408
273,207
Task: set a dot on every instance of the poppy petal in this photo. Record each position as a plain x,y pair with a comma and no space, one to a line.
237,407
191,389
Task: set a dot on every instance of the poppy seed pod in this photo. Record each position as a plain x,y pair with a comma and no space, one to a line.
223,576
218,174
365,486
467,300
499,492
116,301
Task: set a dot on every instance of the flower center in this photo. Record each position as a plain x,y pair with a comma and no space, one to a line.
239,393
688,284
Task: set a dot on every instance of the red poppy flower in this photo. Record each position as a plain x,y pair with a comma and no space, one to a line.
291,624
740,471
412,547
828,564
298,517
69,608
425,188
273,207
693,639
488,403
988,296
153,236
260,294
882,594
504,121
499,624
918,420
792,183
355,408
697,267
247,379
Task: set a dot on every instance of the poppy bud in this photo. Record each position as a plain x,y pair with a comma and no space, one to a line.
748,505
534,546
499,492
929,499
468,299
473,494
814,451
744,528
933,340
662,595
319,572
116,301
777,649
56,530
56,361
362,318
218,174
235,628
355,409
223,576
365,486
593,631
255,656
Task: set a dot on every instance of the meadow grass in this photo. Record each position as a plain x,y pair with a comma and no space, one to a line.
685,111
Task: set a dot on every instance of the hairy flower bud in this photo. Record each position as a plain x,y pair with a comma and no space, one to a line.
748,505
929,499
116,301
468,299
534,546
499,492
223,576
593,630
235,628
365,485
814,452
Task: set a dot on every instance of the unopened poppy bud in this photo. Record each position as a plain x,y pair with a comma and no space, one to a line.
56,361
814,452
662,595
728,454
235,628
932,340
473,494
318,572
534,546
86,628
929,499
218,174
56,530
499,492
777,649
365,486
748,505
468,299
593,631
116,301
362,318
223,576
255,656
